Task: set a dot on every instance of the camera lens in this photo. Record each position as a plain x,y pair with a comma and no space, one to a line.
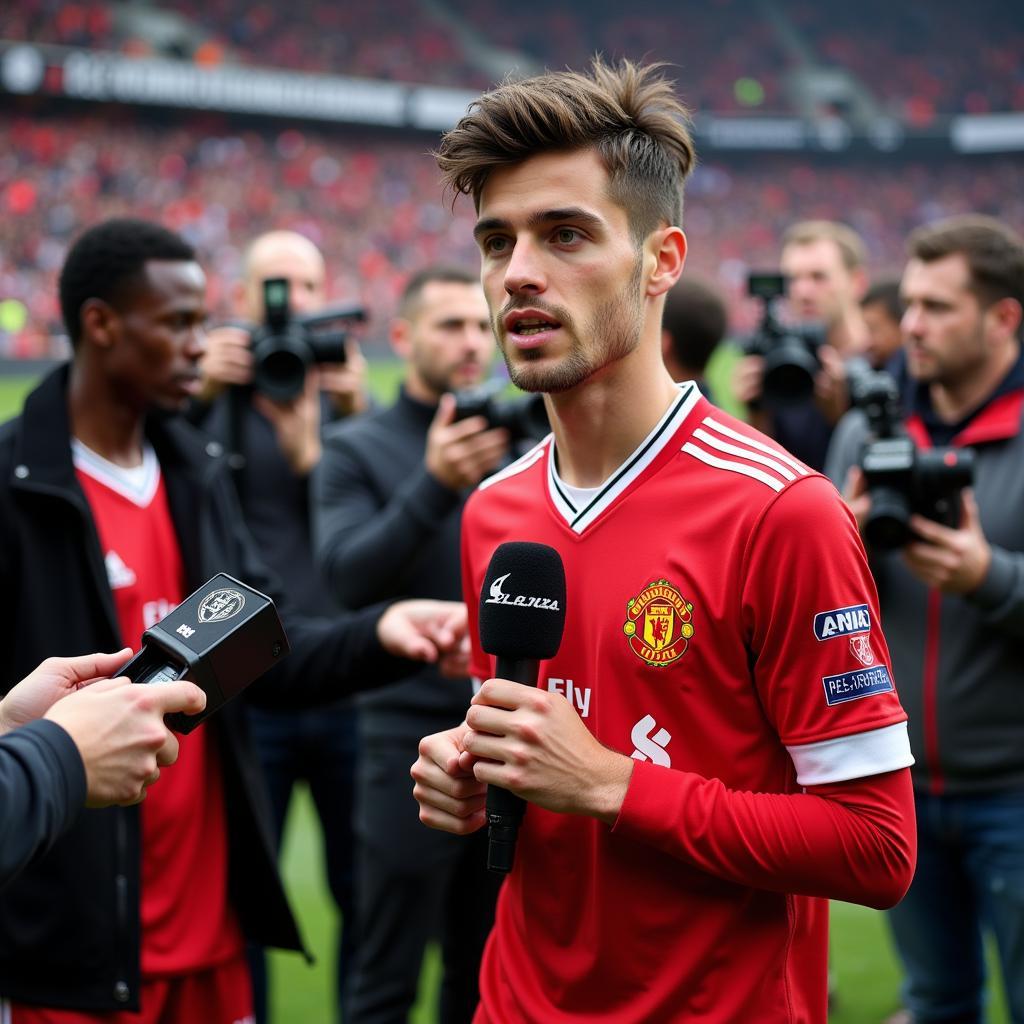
888,523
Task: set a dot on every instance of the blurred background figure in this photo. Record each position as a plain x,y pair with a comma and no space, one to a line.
274,446
823,263
693,326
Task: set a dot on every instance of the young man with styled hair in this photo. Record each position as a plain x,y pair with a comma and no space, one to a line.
733,753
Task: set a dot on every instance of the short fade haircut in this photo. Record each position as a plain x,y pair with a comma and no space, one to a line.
994,254
696,320
108,259
627,112
886,293
409,301
851,246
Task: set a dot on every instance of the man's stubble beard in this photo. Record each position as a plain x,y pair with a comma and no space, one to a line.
615,330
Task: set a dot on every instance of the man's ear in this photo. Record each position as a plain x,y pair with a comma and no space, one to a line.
666,251
100,323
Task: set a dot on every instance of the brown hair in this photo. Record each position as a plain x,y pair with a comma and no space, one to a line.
628,112
994,253
851,246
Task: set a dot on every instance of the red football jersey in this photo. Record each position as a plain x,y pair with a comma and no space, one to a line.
187,923
722,621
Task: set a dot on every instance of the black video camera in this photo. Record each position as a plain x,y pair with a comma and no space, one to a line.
526,419
790,353
285,347
903,479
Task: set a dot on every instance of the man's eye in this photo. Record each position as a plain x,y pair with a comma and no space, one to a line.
567,236
496,244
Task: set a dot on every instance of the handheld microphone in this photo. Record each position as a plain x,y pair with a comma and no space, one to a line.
222,638
522,616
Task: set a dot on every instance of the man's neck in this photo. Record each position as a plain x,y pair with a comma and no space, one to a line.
102,423
600,423
953,402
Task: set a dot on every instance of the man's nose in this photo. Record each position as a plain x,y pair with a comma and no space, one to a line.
524,271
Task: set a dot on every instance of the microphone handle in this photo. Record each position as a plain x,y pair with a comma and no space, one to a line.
504,809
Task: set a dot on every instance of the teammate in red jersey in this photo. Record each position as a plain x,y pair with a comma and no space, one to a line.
717,747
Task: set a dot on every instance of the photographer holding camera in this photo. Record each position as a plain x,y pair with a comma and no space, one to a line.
387,503
823,266
267,410
953,607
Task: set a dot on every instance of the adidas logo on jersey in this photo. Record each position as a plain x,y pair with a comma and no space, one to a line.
118,574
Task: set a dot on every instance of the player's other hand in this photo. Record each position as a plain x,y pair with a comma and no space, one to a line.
450,798
460,454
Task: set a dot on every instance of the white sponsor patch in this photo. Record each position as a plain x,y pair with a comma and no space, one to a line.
854,618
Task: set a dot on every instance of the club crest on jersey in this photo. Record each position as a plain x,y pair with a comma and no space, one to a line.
658,623
855,618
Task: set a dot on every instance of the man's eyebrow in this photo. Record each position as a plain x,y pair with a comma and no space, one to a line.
569,213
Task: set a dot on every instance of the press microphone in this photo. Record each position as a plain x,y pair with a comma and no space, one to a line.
222,638
522,616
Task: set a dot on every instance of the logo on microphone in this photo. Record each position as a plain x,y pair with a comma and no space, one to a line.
658,624
219,605
498,596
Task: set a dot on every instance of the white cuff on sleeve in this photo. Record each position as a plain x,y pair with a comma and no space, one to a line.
853,757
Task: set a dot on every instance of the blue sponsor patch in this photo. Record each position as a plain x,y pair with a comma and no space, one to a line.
862,682
842,622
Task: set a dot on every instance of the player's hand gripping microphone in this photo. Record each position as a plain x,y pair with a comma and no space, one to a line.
522,615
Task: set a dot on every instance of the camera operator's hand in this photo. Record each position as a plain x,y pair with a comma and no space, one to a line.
118,728
461,454
855,494
748,380
227,360
953,561
53,680
346,382
296,424
424,630
831,390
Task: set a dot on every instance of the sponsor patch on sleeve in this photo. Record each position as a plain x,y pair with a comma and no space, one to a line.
862,682
855,618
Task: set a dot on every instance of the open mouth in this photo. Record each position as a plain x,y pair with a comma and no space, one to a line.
528,323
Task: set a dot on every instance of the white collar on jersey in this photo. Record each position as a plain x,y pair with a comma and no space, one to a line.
579,517
136,483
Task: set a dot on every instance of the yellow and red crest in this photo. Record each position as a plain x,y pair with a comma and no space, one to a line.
658,623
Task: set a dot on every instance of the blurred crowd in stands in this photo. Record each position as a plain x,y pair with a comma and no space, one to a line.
374,206
919,60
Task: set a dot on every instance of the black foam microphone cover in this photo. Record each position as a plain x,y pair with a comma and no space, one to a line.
522,615
522,603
